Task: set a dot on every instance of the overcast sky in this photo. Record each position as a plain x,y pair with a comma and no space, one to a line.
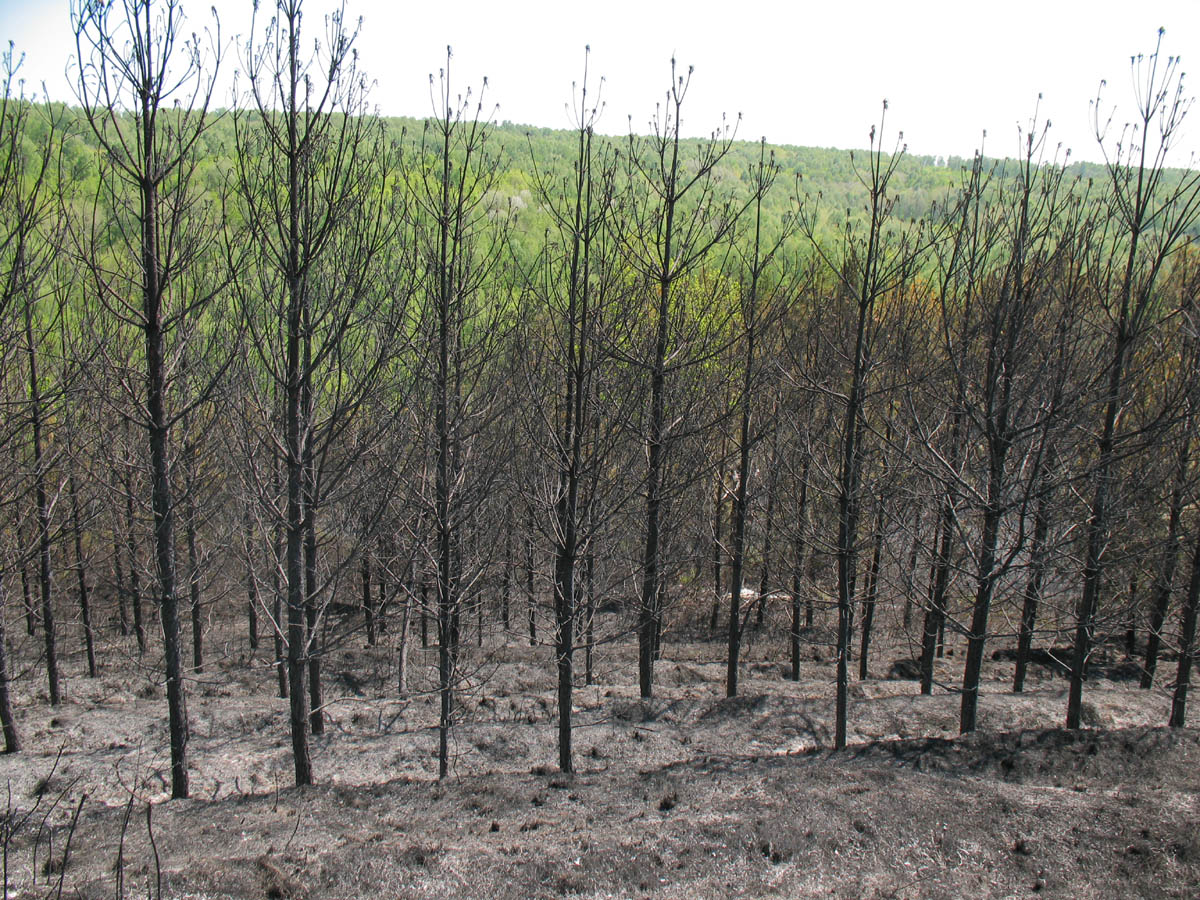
803,73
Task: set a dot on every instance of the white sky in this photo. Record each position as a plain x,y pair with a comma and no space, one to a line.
799,72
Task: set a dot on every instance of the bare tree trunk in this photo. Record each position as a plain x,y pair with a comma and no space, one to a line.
565,613
529,589
1097,531
661,602
119,577
402,668
298,436
119,584
570,440
872,269
251,582
313,621
910,571
798,573
737,556
648,613
590,640
308,474
445,623
424,611
986,574
368,601
446,396
718,537
134,59
7,722
1132,617
85,610
872,589
935,615
506,577
479,610
135,587
29,606
164,510
193,569
846,546
278,562
298,696
1153,223
750,308
847,540
42,506
1033,588
382,606
318,152
1187,644
764,581
1165,576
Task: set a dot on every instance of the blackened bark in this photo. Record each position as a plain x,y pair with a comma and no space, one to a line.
529,587
42,506
986,575
135,586
1154,222
737,551
12,743
935,614
26,593
194,570
506,576
312,602
85,608
296,429
1033,588
119,583
871,591
737,560
648,607
298,696
251,582
847,537
402,652
368,599
278,562
1132,617
764,580
313,621
799,549
164,510
1098,521
590,638
1187,644
569,439
910,570
1165,576
717,547
424,611
867,290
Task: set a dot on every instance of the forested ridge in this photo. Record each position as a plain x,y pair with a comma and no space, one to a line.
466,384
522,154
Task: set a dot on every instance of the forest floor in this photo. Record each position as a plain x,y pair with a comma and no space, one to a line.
686,795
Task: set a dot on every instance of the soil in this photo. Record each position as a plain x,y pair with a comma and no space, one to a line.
686,795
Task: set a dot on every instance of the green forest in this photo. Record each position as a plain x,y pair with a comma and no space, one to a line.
301,377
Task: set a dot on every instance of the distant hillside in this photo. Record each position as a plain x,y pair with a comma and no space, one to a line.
823,178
